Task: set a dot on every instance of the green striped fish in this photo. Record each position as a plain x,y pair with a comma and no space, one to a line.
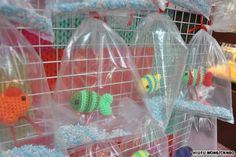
87,101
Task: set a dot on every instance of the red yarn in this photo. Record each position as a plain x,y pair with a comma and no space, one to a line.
198,77
131,19
207,80
202,26
12,91
13,105
190,81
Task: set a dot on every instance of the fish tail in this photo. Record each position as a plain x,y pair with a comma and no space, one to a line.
207,80
105,104
158,77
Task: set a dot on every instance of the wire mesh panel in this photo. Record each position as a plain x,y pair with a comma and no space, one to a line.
51,53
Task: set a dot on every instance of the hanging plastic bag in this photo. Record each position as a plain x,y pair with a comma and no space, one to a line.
224,16
203,135
97,88
161,60
202,7
70,6
24,13
202,93
25,100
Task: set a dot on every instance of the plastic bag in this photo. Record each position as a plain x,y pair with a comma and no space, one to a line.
25,102
202,7
224,16
121,123
203,135
230,54
24,13
68,6
151,140
108,148
202,92
161,60
97,87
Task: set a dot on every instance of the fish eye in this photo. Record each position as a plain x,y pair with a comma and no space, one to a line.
23,98
147,86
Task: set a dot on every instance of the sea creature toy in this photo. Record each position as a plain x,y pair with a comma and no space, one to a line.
150,83
183,152
197,77
141,153
87,101
14,103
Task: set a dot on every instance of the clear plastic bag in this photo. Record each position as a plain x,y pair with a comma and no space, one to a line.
202,92
68,6
162,51
224,16
25,101
203,135
202,7
230,54
107,148
24,13
97,87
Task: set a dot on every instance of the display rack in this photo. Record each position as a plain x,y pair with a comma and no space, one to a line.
64,26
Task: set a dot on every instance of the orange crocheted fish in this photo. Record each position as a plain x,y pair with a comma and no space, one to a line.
14,103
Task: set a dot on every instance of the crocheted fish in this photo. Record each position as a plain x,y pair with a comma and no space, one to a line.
141,153
150,83
87,101
183,152
13,105
197,77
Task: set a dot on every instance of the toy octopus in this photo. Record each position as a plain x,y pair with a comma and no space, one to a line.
14,103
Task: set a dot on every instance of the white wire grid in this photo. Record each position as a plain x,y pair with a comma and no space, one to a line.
181,122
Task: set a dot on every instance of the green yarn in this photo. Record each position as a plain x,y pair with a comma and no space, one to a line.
141,153
94,99
105,104
186,77
201,76
195,71
86,101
